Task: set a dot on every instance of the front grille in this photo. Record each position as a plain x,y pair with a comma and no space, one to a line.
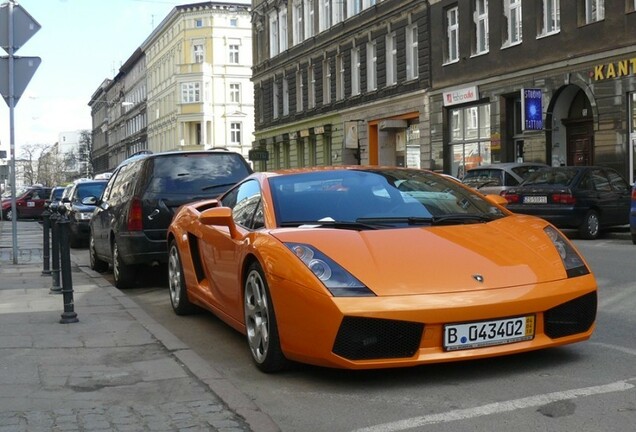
362,338
575,316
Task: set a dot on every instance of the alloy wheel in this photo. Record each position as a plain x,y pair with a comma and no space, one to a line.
257,316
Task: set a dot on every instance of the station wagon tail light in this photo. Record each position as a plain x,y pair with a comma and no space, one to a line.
634,194
134,215
574,265
336,279
563,198
512,198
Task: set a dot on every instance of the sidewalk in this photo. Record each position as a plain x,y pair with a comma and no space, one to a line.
115,370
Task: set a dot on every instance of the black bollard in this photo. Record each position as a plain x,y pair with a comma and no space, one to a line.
55,250
46,248
69,315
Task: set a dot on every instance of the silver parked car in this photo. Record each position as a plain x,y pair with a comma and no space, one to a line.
496,178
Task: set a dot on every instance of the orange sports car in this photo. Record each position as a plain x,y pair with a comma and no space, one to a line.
371,267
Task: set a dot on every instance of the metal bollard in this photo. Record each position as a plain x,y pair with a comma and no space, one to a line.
69,315
55,250
46,248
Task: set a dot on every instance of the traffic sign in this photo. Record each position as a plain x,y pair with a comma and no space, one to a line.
24,68
24,26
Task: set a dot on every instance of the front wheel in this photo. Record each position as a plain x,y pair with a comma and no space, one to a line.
8,215
260,322
591,226
96,264
176,282
123,274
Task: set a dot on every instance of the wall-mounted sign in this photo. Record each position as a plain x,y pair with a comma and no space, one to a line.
304,133
460,96
617,69
531,109
351,134
258,155
319,130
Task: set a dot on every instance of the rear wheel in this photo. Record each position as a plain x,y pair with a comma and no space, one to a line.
96,264
260,322
8,215
591,226
176,282
123,273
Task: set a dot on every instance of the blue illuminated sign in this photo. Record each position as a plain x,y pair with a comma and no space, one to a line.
532,112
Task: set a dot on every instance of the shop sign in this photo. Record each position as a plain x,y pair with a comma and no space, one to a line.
614,70
460,96
531,109
319,130
258,155
304,133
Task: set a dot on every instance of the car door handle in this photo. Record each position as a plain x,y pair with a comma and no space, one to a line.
152,215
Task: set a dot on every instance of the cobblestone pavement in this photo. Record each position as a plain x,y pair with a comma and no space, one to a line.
116,369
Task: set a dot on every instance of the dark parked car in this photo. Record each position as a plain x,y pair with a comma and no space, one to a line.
496,178
29,203
56,194
130,222
588,198
78,212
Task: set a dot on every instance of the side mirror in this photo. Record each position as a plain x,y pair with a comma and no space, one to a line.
66,200
221,216
89,200
497,199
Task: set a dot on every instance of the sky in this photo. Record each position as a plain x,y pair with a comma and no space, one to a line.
81,43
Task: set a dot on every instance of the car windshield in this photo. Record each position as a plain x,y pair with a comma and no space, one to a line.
195,173
551,176
90,189
382,197
483,177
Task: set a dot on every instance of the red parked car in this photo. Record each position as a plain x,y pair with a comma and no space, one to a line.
29,203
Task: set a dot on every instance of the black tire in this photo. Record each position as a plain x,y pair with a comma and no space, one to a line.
96,264
634,238
123,273
8,215
73,241
260,322
176,283
590,228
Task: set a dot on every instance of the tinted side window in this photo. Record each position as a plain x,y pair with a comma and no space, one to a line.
601,183
244,202
122,187
617,182
510,180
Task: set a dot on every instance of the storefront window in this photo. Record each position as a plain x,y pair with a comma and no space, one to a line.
470,138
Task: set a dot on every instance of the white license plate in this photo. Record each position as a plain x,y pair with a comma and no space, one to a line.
488,333
535,200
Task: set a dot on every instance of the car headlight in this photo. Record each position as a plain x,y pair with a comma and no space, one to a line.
336,279
83,216
572,261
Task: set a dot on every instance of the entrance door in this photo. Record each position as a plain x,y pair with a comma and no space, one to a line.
580,150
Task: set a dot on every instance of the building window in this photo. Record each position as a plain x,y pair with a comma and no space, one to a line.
355,71
298,30
198,53
512,13
594,11
285,97
338,11
282,23
308,10
326,82
324,17
372,63
452,34
469,138
299,91
235,133
631,5
191,92
233,22
354,7
198,22
235,93
551,17
412,63
480,17
340,77
391,59
311,95
273,34
275,100
234,52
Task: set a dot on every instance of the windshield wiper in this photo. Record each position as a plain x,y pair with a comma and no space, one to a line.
462,218
354,225
410,220
217,185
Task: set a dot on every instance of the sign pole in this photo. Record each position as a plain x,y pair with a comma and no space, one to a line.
14,213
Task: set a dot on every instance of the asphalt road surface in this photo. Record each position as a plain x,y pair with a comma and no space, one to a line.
590,386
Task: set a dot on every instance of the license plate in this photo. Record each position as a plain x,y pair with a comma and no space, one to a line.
488,333
535,200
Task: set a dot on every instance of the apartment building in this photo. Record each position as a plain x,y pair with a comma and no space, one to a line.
187,87
547,80
340,82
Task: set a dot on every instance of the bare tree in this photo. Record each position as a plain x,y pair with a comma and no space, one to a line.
30,153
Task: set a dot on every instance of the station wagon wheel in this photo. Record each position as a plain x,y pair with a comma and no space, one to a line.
591,226
8,215
260,322
96,264
176,282
123,273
